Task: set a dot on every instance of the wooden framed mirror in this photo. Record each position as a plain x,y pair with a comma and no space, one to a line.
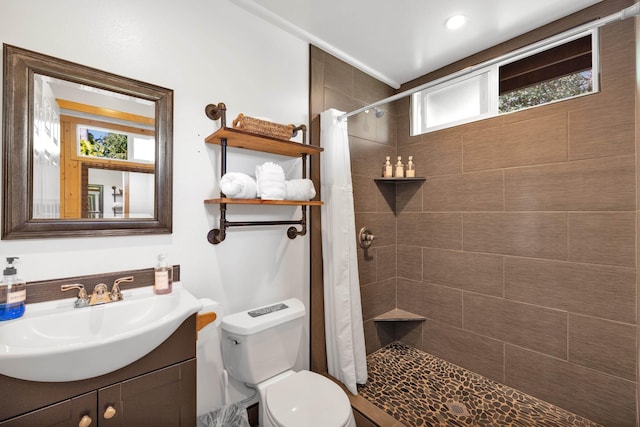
59,118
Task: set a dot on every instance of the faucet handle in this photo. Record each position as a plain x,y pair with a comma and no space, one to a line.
116,295
83,298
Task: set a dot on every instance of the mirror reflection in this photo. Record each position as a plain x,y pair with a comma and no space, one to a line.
65,125
93,152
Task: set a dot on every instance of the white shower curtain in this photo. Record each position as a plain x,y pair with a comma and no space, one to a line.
346,355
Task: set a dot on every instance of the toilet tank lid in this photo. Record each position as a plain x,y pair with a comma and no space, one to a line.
264,317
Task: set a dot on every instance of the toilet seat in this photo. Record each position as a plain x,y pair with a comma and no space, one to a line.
307,399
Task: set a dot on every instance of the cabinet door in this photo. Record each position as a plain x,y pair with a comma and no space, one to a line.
166,397
68,413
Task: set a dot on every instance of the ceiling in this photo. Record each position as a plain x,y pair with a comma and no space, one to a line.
399,40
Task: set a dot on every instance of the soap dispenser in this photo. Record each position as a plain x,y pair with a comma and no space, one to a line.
13,292
399,168
411,168
387,169
163,283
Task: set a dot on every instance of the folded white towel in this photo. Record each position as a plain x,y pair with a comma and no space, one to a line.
300,189
238,185
270,181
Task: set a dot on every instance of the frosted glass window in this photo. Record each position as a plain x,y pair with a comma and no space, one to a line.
459,101
454,103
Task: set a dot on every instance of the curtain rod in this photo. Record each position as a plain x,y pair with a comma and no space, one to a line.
619,16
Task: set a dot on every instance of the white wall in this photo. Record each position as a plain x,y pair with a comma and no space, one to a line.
207,51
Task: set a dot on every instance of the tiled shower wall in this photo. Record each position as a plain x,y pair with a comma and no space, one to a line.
520,248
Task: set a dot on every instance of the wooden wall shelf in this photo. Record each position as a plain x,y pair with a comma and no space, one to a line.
230,137
231,201
250,141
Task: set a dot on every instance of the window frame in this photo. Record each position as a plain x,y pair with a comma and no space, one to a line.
418,120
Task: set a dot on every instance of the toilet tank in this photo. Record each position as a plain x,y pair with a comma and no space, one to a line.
260,343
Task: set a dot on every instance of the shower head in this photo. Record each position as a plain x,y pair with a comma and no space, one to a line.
379,112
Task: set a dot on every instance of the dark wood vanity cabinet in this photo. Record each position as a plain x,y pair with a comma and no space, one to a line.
156,399
158,390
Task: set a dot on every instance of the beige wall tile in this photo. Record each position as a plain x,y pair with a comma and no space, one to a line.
530,234
378,298
439,230
598,184
617,60
338,76
409,259
470,271
367,126
409,333
440,153
607,130
385,197
602,398
471,351
382,225
367,265
603,238
316,84
443,304
434,302
386,262
603,345
411,296
533,327
483,191
539,140
340,101
364,193
408,196
385,128
367,157
368,89
594,290
370,337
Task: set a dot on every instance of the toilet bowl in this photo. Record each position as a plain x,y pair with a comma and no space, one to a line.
304,398
260,347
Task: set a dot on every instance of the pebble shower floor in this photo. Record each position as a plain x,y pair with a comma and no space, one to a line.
419,389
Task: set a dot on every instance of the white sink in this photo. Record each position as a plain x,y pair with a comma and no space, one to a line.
55,342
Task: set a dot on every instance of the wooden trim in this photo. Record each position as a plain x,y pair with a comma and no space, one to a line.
204,319
48,290
105,112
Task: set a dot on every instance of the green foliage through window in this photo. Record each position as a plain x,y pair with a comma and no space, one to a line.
104,144
545,92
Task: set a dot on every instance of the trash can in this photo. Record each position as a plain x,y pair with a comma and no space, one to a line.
234,415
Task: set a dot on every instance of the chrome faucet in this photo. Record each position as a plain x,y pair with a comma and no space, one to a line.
100,295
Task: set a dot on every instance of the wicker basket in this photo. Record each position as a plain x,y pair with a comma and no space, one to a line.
263,127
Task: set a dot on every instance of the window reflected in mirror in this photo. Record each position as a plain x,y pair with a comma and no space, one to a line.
87,138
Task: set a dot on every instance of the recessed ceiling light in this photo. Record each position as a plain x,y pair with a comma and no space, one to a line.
456,21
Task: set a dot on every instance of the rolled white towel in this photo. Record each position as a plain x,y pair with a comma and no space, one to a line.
270,181
238,185
300,189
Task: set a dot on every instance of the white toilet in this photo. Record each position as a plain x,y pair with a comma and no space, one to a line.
259,348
